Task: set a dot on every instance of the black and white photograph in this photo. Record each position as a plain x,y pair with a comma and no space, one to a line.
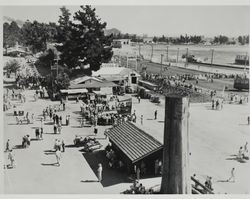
125,99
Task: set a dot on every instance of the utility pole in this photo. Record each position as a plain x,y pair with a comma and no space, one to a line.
161,62
167,53
245,62
136,61
187,57
152,52
127,60
212,57
177,59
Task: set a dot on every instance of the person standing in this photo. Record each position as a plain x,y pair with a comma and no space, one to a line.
58,157
141,119
99,172
11,158
59,128
155,114
156,166
55,128
138,171
63,146
7,148
139,99
248,120
232,177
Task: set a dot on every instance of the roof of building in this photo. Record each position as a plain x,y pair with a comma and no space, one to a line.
93,84
135,143
84,79
74,91
113,71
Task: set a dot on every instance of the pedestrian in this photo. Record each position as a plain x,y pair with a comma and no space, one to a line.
156,166
59,128
248,120
64,106
60,120
99,172
63,146
55,128
12,159
232,177
155,114
58,157
138,173
7,148
240,153
41,133
139,99
95,130
28,140
141,119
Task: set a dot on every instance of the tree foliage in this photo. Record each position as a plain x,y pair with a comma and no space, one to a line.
12,66
11,34
85,43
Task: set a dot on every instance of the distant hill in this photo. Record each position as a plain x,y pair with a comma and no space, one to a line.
9,20
113,31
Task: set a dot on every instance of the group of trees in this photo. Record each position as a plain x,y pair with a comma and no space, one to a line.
179,40
11,34
243,39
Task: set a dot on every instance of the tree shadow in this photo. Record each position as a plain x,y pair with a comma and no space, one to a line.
70,146
110,176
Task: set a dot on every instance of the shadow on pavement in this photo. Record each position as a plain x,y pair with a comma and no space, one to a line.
52,164
89,180
109,176
18,147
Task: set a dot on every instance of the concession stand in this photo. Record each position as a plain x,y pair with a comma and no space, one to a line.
135,147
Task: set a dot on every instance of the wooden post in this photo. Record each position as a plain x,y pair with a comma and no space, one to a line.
175,176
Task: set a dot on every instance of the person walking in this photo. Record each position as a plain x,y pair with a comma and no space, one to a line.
155,114
12,159
248,120
7,148
59,128
58,157
63,146
99,172
141,119
139,99
232,177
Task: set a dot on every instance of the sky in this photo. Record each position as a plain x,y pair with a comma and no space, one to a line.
153,20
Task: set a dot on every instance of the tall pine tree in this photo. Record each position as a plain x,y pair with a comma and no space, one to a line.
85,42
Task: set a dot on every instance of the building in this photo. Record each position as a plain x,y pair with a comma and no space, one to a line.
119,75
148,40
119,43
94,84
133,146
